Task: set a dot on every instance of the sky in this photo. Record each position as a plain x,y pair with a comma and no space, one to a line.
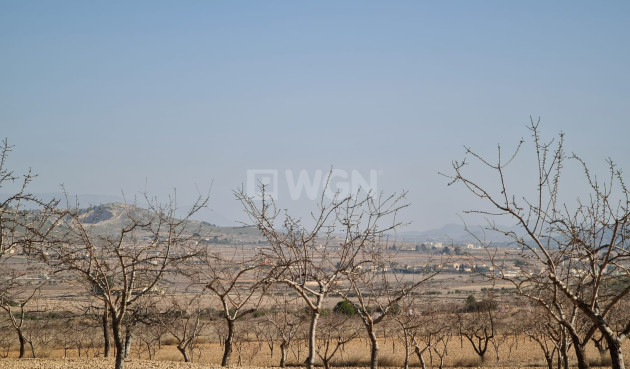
111,98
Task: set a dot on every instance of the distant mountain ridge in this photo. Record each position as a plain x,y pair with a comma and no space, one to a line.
107,214
111,217
458,233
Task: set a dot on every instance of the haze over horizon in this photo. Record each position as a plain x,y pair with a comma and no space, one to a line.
117,97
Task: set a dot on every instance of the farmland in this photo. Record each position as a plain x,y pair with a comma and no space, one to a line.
63,322
523,353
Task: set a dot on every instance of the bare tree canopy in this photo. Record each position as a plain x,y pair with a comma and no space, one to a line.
122,267
574,255
313,257
23,216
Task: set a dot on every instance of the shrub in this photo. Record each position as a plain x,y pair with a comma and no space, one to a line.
345,308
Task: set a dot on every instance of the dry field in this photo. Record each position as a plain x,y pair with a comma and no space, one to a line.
95,363
513,354
448,286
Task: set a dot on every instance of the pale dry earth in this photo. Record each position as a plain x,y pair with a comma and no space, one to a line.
97,363
94,363
525,354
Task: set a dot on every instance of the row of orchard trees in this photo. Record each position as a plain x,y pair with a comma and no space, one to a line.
341,250
574,262
426,329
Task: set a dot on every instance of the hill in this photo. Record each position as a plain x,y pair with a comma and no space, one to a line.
108,219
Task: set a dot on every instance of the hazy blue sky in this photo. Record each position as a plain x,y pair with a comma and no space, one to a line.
107,96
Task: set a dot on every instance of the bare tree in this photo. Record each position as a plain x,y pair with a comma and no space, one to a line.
5,340
16,306
286,321
405,318
548,335
122,266
98,313
313,256
477,323
143,323
440,347
425,327
182,319
336,331
376,292
236,282
23,216
24,219
149,334
82,334
577,249
507,320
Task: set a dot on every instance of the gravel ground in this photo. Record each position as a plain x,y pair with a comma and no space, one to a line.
98,363
95,363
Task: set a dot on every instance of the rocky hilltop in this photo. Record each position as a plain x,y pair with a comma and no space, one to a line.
108,219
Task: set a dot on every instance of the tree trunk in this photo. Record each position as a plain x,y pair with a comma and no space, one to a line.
119,343
374,348
441,362
406,364
326,364
184,353
150,350
106,338
549,361
227,351
310,360
580,356
128,337
421,358
563,352
283,354
616,356
601,348
22,340
30,342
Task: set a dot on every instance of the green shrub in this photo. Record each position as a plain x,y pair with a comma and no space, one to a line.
345,307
